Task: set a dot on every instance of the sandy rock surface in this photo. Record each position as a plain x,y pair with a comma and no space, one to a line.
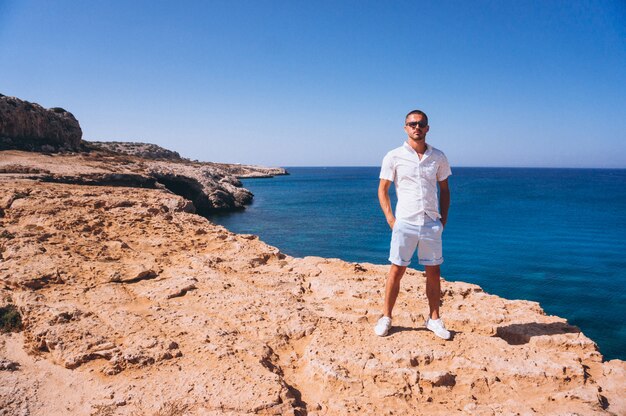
133,306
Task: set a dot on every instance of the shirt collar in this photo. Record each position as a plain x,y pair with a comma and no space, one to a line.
408,147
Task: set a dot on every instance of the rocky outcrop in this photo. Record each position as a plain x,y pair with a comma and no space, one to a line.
209,187
152,151
132,305
251,171
29,126
142,150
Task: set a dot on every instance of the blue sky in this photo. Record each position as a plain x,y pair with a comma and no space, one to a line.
323,83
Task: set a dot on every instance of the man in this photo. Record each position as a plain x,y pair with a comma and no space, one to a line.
416,168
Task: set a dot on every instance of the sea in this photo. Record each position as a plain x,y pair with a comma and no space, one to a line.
555,236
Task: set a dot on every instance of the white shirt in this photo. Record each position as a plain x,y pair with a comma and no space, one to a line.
416,181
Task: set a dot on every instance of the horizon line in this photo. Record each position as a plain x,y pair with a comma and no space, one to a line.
455,167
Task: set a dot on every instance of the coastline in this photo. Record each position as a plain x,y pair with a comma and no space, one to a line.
209,187
554,255
124,293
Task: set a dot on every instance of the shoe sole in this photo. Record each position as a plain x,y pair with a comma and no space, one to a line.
436,334
439,336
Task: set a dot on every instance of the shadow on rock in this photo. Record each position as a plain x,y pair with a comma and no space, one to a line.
518,334
396,329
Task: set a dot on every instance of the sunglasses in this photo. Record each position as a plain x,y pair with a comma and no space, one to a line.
414,124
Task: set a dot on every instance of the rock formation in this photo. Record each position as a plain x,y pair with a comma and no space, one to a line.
131,305
143,150
29,126
152,151
210,187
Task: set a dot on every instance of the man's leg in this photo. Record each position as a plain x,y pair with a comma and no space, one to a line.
403,244
433,290
393,287
430,255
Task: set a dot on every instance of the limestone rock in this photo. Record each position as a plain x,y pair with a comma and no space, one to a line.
151,298
142,150
29,126
206,187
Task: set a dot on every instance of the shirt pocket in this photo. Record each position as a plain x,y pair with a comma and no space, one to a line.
429,171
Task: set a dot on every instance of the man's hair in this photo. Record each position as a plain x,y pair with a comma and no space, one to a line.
420,112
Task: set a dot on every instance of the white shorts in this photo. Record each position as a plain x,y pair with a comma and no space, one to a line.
426,238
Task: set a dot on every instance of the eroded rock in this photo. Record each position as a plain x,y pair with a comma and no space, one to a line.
29,126
155,299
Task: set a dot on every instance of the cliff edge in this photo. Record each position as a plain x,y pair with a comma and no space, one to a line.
132,305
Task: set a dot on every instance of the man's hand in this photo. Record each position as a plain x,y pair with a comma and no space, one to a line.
385,202
444,201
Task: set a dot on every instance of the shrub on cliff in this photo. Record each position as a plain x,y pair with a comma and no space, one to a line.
10,319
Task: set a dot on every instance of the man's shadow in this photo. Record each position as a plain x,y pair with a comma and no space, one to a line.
514,334
519,334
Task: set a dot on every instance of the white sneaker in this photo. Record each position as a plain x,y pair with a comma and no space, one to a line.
382,327
436,325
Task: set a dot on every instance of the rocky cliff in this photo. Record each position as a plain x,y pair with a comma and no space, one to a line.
209,187
29,126
131,305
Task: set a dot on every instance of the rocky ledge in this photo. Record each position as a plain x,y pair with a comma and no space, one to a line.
65,158
209,187
131,305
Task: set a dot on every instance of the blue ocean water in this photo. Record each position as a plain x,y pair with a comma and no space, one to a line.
556,236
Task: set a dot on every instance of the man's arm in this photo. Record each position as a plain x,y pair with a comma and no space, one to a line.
385,201
444,200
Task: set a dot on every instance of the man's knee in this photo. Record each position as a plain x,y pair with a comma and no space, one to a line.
396,272
433,271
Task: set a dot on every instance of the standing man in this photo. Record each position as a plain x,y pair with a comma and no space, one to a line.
415,168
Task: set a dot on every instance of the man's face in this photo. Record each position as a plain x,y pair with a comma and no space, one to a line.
413,128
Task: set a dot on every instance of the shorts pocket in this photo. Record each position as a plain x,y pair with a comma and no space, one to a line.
437,227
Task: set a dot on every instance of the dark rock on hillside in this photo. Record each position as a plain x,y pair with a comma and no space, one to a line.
154,152
144,150
29,126
250,171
